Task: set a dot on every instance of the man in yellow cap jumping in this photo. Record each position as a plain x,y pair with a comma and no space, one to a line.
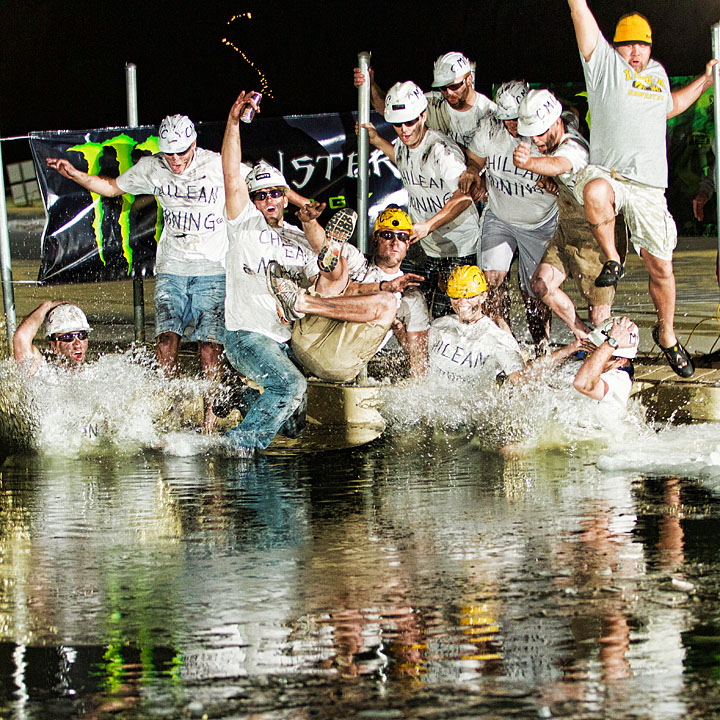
630,102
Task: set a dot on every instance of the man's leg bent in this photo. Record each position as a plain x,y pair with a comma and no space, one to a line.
599,200
545,283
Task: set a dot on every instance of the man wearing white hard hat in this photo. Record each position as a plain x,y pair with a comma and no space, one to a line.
256,342
520,216
190,262
66,330
445,219
630,101
607,373
454,106
573,251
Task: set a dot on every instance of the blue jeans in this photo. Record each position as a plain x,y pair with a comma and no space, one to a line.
266,362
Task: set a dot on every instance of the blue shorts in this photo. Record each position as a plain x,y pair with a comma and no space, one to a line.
181,299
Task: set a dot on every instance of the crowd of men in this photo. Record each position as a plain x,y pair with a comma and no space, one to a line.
282,302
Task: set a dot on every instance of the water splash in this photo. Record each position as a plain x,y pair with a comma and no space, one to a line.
120,402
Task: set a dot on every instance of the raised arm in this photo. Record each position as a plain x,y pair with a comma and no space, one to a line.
586,27
236,190
377,96
684,97
24,351
98,184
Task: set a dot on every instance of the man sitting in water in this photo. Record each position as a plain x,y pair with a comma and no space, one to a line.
607,373
66,328
468,345
342,324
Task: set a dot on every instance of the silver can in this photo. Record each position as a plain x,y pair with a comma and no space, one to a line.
249,112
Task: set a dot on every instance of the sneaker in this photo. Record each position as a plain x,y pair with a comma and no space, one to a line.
285,291
338,231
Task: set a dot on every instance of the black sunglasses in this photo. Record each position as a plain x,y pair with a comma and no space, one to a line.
409,123
390,235
70,336
261,195
453,86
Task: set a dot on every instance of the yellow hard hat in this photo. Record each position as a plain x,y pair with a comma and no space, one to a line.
393,218
633,28
466,281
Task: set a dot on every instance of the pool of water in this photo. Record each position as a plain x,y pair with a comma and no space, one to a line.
488,557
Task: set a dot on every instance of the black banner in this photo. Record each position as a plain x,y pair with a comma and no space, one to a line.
89,238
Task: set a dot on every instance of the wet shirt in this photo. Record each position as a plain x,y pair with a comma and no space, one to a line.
458,126
478,351
194,238
629,115
513,194
573,147
430,174
252,245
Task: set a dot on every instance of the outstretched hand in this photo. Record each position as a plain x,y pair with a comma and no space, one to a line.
63,166
359,76
311,211
372,132
402,283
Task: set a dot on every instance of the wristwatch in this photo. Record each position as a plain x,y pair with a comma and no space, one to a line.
612,342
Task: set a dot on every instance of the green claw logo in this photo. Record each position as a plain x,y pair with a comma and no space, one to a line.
123,145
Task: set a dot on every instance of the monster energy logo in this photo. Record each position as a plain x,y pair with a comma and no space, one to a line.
123,145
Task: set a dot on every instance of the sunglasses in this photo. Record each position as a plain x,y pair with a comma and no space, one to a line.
178,154
390,235
70,336
453,86
408,123
264,194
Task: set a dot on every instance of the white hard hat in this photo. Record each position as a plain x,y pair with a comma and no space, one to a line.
65,318
264,175
539,109
176,134
600,334
508,99
450,67
404,102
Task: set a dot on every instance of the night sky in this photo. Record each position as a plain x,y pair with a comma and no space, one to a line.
63,62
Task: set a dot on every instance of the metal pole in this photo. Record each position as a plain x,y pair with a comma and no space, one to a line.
363,186
6,263
138,288
716,79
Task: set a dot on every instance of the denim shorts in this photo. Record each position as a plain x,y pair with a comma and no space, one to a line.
180,300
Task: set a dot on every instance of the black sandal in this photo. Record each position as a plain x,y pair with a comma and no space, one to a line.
610,274
675,355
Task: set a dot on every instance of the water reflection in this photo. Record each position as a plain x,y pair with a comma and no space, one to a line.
421,565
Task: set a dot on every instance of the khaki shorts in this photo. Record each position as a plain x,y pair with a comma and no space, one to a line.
334,350
645,209
575,252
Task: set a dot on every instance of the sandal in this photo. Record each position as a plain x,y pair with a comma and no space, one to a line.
610,274
675,355
337,232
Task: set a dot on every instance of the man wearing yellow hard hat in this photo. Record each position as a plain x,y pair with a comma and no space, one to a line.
339,325
468,344
630,101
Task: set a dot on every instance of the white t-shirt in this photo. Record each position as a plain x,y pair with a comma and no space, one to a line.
513,194
430,174
574,147
628,114
475,352
194,238
252,245
458,125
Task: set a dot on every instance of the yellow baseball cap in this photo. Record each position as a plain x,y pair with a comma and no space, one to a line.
633,28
